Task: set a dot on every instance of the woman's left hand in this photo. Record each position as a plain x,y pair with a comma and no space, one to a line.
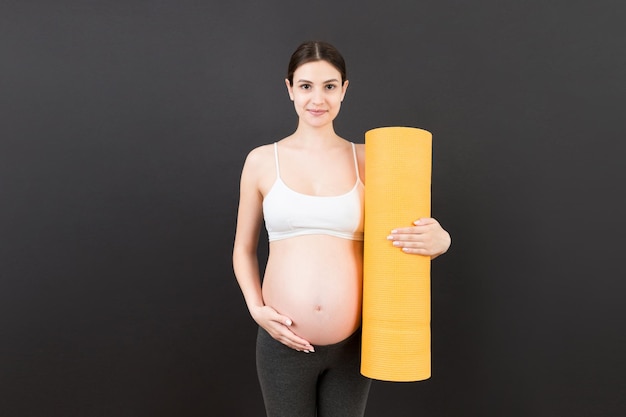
426,237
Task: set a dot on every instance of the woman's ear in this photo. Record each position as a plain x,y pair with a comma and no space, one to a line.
344,88
289,88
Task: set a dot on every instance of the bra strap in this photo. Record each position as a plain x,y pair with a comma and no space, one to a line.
356,161
276,159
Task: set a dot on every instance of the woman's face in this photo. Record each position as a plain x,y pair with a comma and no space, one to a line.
317,92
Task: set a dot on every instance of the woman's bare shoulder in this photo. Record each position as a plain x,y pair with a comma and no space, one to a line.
260,155
259,168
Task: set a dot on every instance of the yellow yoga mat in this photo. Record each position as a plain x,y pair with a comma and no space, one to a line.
396,286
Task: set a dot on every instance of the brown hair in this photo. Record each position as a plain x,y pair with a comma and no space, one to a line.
316,51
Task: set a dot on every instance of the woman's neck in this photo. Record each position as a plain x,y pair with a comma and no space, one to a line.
315,136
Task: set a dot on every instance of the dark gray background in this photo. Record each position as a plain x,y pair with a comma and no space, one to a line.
123,129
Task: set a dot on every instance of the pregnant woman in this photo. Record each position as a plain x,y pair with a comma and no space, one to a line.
308,189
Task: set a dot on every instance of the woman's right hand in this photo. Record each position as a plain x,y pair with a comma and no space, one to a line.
279,327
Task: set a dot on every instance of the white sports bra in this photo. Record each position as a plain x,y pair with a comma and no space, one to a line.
289,213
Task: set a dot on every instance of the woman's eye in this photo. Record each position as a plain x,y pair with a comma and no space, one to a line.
305,86
331,86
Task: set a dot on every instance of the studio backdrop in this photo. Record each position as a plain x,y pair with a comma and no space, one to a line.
123,131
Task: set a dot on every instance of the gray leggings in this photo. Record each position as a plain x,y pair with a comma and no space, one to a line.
326,383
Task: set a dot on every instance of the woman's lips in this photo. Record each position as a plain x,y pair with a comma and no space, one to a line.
317,112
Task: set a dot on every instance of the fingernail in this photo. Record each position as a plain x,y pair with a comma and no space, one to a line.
389,237
306,351
396,243
417,222
394,231
288,322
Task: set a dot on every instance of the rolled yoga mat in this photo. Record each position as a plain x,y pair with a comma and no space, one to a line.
396,285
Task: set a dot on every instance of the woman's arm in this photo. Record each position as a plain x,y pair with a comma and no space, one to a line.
249,220
426,237
245,262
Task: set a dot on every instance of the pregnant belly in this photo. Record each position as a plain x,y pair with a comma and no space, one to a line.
316,281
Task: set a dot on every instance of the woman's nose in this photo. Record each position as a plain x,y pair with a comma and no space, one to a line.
318,97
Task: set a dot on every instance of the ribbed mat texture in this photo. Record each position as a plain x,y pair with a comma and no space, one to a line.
396,286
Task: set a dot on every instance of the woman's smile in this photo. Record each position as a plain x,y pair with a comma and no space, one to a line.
317,112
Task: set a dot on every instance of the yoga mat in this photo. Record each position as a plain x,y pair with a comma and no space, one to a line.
396,285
